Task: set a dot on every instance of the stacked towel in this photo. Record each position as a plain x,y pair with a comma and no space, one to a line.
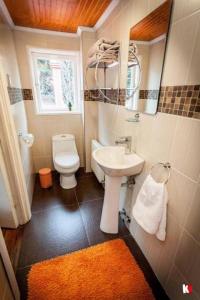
104,50
102,45
106,58
151,207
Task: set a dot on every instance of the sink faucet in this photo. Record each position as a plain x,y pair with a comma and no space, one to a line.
127,140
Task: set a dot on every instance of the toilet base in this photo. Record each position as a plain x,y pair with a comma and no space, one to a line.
67,181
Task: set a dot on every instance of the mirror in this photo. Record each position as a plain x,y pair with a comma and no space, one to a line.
147,44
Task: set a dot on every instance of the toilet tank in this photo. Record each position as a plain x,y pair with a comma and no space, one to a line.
63,143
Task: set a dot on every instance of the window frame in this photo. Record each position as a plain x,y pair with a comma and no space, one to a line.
43,52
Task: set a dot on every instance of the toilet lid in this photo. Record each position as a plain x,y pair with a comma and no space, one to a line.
66,160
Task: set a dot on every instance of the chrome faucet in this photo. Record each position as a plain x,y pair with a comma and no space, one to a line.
127,140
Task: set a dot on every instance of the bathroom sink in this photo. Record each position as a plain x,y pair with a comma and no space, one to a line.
115,163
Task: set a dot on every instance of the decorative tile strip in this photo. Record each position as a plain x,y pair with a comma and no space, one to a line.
180,100
27,94
122,97
15,95
149,94
114,96
91,95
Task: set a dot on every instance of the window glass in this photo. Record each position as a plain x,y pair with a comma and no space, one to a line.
46,86
56,83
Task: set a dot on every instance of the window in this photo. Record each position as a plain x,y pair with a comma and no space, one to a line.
56,82
132,81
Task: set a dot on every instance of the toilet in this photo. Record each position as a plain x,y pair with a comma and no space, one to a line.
65,158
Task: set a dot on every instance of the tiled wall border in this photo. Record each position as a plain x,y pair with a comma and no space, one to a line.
114,95
178,100
27,94
149,94
17,94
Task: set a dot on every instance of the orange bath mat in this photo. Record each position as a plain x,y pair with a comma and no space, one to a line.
106,271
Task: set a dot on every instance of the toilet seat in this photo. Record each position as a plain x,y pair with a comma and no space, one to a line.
66,160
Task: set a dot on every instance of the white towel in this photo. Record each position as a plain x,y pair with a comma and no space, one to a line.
101,56
150,208
102,45
93,60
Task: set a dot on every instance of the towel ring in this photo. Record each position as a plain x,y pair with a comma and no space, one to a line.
167,166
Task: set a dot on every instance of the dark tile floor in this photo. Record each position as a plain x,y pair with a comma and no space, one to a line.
64,221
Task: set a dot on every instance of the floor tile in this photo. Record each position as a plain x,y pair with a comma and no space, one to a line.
151,278
52,197
21,276
81,174
89,189
52,232
13,239
91,213
139,257
68,220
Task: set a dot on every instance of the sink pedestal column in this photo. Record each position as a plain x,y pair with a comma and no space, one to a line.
110,212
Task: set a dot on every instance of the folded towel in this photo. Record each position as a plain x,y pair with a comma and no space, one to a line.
151,207
93,60
99,55
102,56
105,46
107,52
102,45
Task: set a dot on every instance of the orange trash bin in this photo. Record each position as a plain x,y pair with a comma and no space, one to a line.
45,178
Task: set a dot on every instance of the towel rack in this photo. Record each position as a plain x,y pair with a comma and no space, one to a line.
167,167
101,64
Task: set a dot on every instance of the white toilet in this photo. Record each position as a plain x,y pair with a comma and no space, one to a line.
65,158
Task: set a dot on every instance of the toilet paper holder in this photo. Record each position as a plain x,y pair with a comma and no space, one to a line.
26,138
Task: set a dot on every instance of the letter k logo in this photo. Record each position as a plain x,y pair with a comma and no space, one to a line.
187,288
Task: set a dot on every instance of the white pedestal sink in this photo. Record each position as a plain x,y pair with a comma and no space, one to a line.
115,164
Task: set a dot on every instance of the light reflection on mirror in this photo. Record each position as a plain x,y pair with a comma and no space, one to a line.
146,54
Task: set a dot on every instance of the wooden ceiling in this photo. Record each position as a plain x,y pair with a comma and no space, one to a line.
153,25
58,15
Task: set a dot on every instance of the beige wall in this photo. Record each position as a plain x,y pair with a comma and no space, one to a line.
164,137
143,52
182,57
45,126
23,40
8,55
9,59
156,54
151,57
87,39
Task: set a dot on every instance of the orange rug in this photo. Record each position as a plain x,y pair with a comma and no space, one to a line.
105,271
